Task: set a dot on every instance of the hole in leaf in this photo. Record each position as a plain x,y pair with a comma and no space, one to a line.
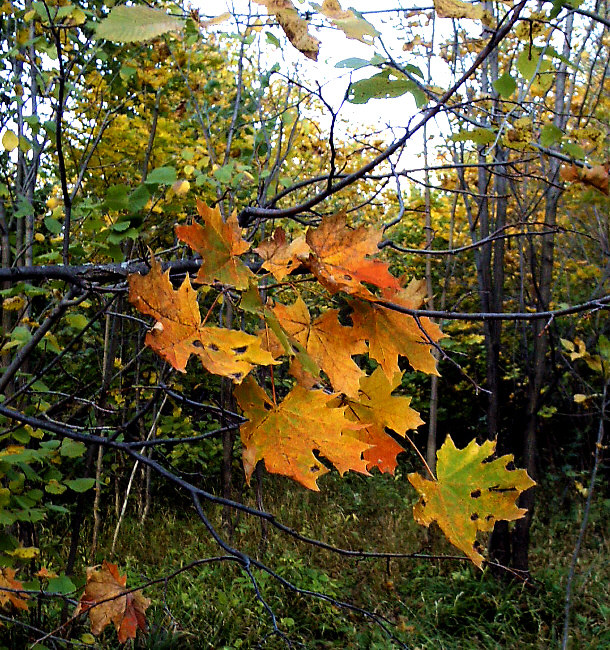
314,468
197,343
237,376
489,517
474,516
213,347
475,494
240,350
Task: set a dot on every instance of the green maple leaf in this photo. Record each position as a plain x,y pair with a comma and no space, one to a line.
469,494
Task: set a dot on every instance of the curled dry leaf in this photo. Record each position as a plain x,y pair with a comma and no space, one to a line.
106,602
470,494
293,25
178,332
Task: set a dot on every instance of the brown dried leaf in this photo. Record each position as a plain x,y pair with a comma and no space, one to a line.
106,601
596,176
293,25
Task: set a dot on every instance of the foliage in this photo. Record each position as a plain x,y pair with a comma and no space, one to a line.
121,123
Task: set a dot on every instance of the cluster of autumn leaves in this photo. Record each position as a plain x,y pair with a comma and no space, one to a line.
335,410
343,417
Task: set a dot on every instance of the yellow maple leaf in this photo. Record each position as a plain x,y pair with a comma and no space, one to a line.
391,334
330,344
285,435
376,408
280,258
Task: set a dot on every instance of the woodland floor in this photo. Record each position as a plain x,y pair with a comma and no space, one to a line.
433,604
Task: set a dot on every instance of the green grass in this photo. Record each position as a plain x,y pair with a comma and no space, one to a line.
429,604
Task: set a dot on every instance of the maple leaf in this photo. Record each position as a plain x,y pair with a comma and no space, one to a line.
391,334
376,408
280,258
330,344
106,601
469,494
293,25
219,243
179,332
13,597
285,435
338,258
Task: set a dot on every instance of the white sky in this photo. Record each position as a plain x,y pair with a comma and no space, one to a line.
335,47
376,114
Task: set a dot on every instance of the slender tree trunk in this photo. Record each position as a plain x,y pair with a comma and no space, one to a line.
540,334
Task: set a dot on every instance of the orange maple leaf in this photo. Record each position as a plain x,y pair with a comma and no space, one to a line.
330,344
179,332
106,601
376,408
391,334
338,258
9,590
281,258
219,243
285,435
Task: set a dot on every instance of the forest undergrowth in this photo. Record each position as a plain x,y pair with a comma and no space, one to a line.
431,604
